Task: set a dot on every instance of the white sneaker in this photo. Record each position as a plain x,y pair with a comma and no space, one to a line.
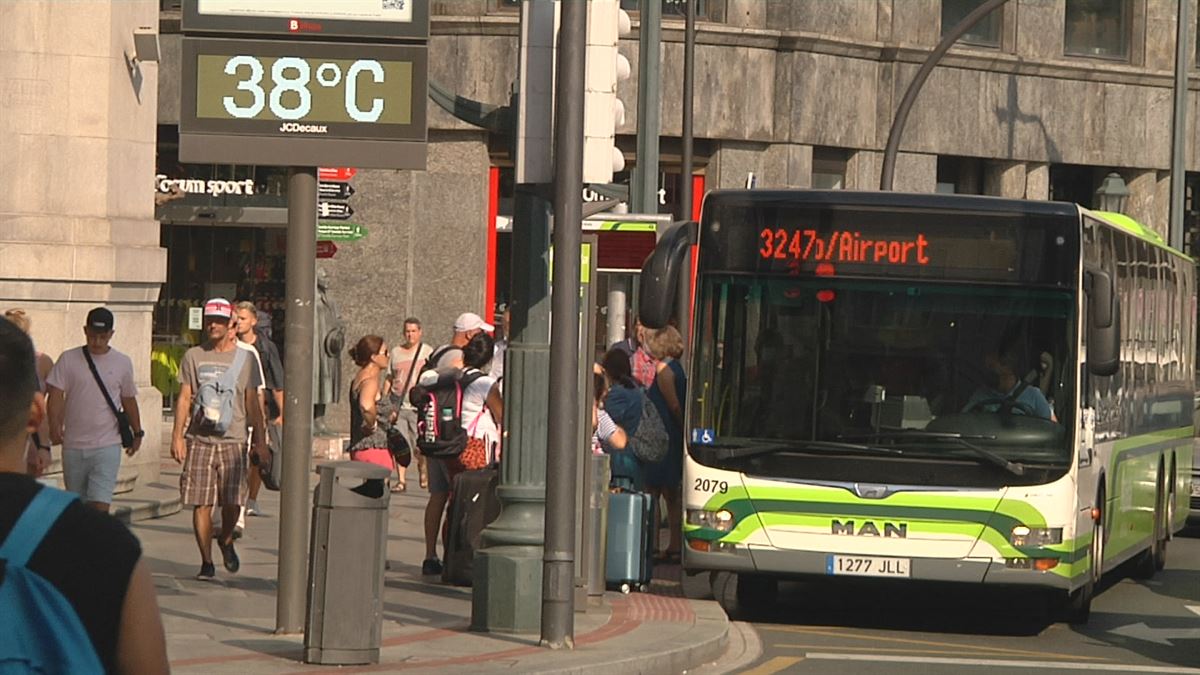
241,523
252,508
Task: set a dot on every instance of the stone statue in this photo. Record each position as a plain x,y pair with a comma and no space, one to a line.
329,340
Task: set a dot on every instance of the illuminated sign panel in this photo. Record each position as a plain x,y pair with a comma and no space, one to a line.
301,103
842,246
848,242
379,19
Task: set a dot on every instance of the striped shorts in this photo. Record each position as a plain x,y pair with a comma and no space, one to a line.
213,473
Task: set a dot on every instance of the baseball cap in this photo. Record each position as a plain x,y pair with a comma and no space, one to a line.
471,321
218,307
100,319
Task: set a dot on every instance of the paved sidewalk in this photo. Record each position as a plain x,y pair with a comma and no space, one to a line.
226,626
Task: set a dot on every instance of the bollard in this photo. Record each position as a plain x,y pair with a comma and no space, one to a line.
598,512
344,622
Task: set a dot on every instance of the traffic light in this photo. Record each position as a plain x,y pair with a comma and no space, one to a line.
603,112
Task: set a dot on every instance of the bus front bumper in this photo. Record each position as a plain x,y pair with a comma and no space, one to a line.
808,564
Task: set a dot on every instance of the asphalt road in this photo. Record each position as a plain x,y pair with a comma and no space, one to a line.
1136,627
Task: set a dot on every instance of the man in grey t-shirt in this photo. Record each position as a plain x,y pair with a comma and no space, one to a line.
214,463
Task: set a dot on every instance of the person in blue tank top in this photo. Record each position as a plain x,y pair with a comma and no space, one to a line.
668,391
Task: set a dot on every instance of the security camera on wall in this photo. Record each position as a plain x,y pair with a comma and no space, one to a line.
145,45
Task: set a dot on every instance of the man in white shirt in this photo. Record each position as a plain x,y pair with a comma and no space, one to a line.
83,421
407,361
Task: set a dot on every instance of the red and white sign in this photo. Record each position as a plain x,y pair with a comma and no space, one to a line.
338,173
326,249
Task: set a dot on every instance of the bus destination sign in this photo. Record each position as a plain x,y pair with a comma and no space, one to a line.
841,246
868,243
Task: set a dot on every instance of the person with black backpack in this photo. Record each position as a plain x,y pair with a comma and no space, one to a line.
445,359
76,592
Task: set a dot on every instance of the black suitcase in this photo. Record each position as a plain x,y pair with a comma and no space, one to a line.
473,506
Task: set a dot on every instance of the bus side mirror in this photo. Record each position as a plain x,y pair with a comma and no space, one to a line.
1104,324
660,275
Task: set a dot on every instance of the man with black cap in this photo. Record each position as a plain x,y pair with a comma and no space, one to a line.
82,415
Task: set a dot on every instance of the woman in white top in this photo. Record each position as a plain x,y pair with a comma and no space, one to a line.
482,405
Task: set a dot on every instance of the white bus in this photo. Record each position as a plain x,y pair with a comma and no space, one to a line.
944,388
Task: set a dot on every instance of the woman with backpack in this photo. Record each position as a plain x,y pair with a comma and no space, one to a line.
482,405
623,403
371,412
667,392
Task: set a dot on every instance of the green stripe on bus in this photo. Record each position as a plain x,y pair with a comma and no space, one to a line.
628,226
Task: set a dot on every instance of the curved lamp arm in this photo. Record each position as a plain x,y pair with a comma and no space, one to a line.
893,143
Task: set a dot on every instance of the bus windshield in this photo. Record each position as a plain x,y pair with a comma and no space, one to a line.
927,370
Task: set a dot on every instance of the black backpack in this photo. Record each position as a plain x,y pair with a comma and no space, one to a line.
440,432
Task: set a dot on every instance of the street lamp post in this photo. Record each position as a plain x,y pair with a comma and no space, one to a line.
1112,193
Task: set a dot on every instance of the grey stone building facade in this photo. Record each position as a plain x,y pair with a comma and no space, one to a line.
77,229
1041,101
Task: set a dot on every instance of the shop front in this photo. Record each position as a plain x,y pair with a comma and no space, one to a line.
224,229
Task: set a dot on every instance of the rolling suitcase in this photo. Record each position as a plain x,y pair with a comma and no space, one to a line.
473,506
631,524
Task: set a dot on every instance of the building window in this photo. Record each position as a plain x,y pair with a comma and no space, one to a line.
829,169
677,9
986,33
706,10
1098,28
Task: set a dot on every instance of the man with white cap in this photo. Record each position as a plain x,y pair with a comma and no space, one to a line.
209,437
84,418
466,326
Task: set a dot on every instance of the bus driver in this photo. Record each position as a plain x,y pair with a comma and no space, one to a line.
1001,383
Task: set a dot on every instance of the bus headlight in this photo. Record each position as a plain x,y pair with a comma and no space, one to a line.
721,521
1035,536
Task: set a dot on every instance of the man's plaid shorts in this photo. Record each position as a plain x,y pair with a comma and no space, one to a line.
213,473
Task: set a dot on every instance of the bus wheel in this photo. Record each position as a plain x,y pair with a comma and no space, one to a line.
1078,607
1154,558
743,595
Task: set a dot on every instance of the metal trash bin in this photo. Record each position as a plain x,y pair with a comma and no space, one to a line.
597,548
344,622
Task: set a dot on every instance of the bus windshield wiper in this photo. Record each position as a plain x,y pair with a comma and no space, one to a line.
917,434
744,450
962,440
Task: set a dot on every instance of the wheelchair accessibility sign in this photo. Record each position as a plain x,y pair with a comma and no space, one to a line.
703,437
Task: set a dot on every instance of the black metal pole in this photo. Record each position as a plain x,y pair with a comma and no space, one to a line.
558,561
887,175
1183,26
689,72
294,494
683,299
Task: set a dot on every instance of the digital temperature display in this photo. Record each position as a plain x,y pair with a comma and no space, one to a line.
283,101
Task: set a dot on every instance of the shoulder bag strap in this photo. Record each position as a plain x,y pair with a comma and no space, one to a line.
411,367
37,519
228,378
99,383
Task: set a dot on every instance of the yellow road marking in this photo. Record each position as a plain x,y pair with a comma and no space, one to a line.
774,665
885,650
878,638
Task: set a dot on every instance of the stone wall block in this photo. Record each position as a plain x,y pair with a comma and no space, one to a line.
87,97
1040,29
916,22
825,89
82,164
1037,181
848,19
